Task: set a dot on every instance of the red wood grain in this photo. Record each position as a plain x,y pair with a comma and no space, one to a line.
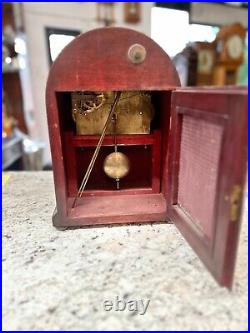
98,61
130,139
115,209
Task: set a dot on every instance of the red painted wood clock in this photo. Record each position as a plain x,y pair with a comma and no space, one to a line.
130,145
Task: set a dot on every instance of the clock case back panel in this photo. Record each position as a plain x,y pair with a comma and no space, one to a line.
98,61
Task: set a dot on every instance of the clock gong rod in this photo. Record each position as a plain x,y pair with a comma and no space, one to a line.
94,157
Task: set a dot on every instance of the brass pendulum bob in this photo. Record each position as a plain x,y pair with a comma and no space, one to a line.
116,165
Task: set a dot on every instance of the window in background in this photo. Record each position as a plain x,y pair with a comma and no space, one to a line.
57,39
170,28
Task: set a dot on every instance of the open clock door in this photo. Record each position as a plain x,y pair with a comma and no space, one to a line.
207,169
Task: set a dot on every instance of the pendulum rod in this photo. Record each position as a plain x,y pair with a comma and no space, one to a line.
115,146
94,157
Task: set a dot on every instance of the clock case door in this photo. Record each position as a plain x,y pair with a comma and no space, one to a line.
207,168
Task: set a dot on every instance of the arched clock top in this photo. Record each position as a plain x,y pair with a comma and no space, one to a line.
112,59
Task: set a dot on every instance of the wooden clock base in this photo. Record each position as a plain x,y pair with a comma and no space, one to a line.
113,210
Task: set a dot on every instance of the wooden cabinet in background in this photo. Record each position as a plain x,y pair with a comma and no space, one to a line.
229,54
11,74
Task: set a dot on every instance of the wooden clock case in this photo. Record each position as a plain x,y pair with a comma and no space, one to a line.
190,169
226,68
205,53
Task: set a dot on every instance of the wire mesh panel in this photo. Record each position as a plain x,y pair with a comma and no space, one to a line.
198,170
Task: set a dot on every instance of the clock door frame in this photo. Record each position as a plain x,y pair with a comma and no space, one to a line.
224,110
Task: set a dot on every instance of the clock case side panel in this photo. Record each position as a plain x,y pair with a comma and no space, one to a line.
57,155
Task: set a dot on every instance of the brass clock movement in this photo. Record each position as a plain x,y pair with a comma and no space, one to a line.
101,113
134,112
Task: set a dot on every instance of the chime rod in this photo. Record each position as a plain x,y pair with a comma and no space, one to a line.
94,157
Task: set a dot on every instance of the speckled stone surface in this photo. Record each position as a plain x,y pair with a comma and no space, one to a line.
59,280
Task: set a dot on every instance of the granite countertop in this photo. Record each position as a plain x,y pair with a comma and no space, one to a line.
59,280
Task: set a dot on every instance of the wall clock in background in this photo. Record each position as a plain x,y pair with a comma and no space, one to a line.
205,63
235,46
230,54
132,12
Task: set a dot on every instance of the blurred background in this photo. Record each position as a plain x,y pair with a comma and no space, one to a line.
206,41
